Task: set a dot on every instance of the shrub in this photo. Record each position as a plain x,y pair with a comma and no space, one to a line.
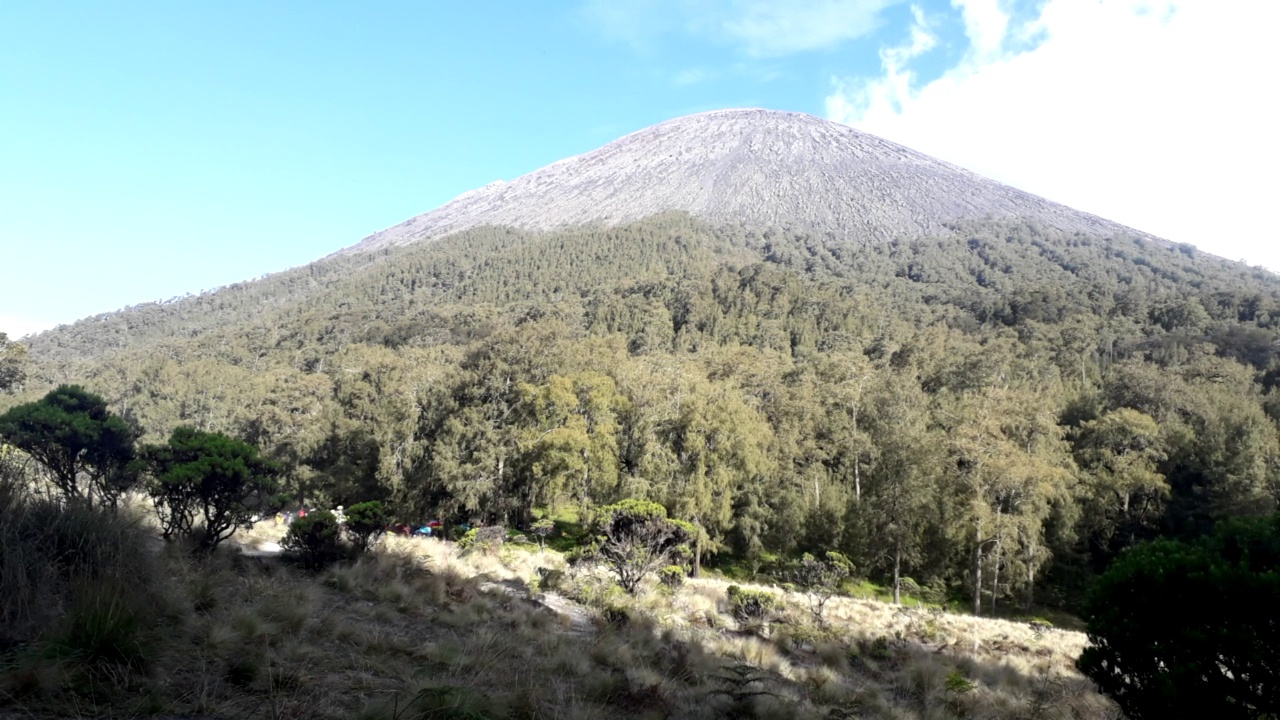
77,583
542,529
1188,630
751,605
218,480
104,629
636,537
957,683
671,576
366,522
314,540
819,579
485,539
87,450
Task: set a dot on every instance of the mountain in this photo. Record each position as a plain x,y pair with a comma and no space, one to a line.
759,168
797,336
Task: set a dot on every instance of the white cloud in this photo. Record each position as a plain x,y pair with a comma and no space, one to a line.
16,326
692,76
1159,114
759,28
772,29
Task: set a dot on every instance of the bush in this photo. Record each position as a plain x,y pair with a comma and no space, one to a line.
483,539
542,529
819,579
751,605
636,538
87,450
211,478
78,585
366,522
671,576
314,540
1188,630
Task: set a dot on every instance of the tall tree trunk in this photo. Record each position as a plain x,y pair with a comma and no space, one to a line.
1031,571
857,460
897,573
977,567
995,575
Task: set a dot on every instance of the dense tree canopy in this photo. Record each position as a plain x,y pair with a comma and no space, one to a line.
998,411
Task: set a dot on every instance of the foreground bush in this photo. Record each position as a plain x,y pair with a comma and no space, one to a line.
1190,630
314,540
636,538
87,450
206,485
78,586
366,522
751,605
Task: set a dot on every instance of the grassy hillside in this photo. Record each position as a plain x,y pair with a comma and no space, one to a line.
418,629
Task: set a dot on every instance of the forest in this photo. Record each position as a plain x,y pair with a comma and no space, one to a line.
990,416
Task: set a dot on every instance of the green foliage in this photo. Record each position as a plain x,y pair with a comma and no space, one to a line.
637,538
671,576
78,586
314,540
105,629
819,579
365,523
483,539
542,529
1188,629
972,409
206,485
957,683
13,364
751,605
87,450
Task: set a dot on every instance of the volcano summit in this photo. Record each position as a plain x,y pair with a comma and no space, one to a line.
755,167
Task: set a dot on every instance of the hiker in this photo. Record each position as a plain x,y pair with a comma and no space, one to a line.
279,519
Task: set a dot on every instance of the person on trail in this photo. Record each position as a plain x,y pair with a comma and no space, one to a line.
339,515
279,519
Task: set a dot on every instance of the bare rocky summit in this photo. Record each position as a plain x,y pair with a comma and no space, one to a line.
759,168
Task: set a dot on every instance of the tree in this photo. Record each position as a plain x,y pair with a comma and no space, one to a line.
207,485
571,442
1119,453
636,538
13,364
901,482
87,450
366,522
819,579
1189,629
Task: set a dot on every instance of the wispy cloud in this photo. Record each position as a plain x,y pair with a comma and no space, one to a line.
692,76
1155,113
756,28
772,29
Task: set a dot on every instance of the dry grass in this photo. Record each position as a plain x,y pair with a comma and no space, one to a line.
419,630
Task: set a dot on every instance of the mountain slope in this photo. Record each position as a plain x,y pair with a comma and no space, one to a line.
759,168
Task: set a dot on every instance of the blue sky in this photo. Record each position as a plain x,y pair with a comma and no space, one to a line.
157,148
